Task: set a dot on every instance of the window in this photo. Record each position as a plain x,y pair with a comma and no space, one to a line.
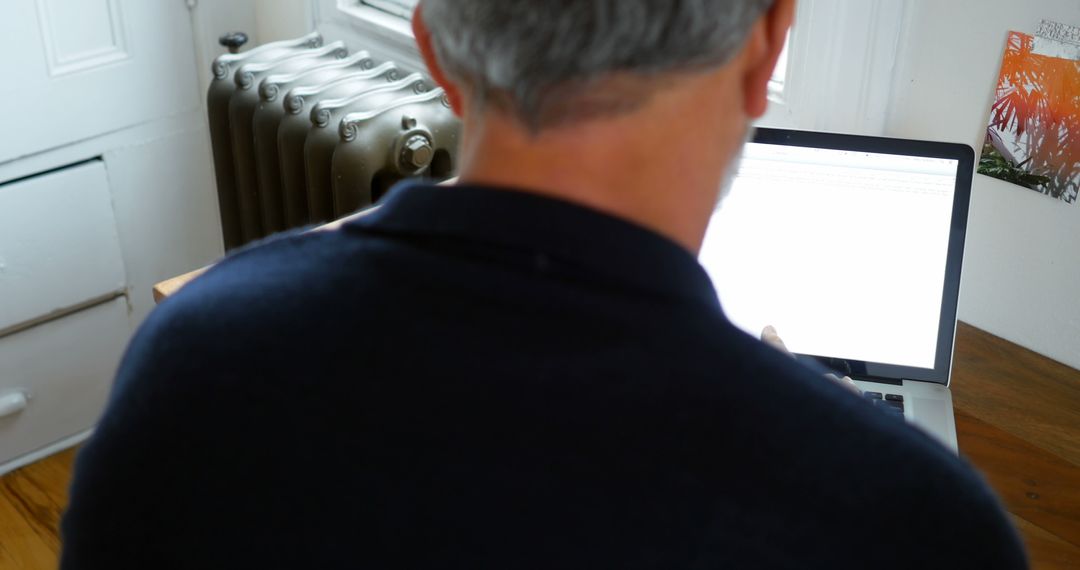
837,74
403,8
779,76
382,27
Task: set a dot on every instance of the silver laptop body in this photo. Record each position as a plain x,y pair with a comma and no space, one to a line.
851,247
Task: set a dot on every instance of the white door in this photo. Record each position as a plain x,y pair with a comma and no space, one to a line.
75,69
85,86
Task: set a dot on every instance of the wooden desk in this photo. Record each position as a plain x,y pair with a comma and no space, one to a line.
1018,422
169,287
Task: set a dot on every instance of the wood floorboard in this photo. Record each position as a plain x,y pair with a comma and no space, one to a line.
7,560
1045,550
32,500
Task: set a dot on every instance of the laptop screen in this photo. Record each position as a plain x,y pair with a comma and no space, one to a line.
843,244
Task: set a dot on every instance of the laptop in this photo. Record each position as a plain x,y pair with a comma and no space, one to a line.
851,247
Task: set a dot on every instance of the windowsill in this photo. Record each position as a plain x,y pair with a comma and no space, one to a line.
776,92
819,91
385,35
395,34
373,17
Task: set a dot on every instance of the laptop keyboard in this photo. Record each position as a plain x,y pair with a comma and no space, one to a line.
892,404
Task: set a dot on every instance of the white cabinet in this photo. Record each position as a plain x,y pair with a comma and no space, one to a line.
58,244
106,186
64,368
63,314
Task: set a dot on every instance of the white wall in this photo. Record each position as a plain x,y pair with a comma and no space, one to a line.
210,20
166,207
1022,267
282,19
262,20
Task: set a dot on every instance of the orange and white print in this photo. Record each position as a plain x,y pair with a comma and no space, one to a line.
1033,137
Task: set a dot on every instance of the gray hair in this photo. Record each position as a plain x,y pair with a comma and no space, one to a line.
540,59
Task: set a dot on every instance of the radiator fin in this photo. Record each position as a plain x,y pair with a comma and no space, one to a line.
304,133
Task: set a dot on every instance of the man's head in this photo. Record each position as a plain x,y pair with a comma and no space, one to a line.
555,61
559,96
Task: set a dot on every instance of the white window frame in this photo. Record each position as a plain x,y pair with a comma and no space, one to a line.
840,82
393,6
361,26
834,82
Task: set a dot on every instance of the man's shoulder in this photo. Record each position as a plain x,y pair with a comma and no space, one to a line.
829,453
266,280
254,298
797,404
284,262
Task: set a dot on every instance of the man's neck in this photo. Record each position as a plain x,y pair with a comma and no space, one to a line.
663,173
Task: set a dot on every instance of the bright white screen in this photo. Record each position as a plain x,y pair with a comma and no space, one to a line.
843,252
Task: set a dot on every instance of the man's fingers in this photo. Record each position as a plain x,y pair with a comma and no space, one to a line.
846,382
770,337
851,384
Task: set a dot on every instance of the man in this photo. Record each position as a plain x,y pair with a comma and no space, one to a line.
529,370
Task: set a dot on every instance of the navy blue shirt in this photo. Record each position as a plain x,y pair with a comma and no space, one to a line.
479,378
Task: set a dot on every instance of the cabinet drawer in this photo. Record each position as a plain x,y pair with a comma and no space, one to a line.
58,243
65,368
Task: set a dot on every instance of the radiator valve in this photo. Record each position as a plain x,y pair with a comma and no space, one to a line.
233,41
417,153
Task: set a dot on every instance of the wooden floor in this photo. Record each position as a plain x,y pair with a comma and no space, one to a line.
31,502
1017,421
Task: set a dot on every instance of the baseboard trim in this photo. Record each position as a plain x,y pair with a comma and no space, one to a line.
51,449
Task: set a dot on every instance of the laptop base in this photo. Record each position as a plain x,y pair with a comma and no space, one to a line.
926,405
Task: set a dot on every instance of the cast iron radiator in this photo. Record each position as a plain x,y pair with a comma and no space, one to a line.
304,133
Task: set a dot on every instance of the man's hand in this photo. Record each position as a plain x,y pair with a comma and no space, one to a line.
770,337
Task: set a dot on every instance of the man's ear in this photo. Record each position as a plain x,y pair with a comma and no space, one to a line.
427,51
763,50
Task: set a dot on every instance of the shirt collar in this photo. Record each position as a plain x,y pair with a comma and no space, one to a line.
575,235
